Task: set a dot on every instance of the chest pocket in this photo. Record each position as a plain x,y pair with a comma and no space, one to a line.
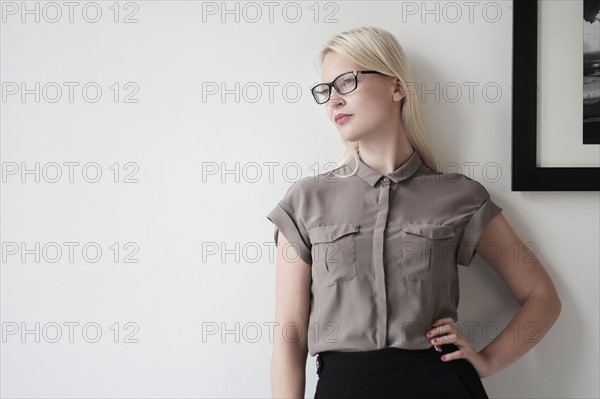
418,242
333,253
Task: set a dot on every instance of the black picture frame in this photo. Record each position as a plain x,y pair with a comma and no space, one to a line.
526,175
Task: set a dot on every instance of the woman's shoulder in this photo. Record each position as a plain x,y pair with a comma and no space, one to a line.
321,180
299,189
308,189
456,180
455,184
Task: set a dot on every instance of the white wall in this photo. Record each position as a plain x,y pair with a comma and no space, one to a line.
201,239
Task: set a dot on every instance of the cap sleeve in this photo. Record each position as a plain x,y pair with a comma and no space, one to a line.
288,217
480,209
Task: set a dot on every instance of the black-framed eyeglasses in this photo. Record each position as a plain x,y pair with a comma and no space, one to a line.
344,84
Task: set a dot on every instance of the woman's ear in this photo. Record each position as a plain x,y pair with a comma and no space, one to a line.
399,93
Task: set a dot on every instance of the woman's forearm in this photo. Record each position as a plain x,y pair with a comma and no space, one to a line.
524,331
288,370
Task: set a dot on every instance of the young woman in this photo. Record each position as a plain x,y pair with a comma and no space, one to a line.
367,254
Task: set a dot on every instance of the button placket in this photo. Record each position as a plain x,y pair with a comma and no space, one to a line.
378,261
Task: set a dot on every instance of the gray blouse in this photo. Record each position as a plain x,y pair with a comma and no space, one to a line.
383,250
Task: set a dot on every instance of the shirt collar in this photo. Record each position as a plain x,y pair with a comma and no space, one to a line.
404,171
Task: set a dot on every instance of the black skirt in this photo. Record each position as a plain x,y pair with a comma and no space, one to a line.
396,373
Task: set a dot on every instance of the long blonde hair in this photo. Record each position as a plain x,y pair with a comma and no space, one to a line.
377,49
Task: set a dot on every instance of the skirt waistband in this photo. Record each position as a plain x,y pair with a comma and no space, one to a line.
379,361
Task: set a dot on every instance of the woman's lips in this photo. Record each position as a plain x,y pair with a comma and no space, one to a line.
342,119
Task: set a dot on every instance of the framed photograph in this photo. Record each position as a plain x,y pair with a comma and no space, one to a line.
526,174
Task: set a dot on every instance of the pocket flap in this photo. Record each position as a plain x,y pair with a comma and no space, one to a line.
433,231
331,233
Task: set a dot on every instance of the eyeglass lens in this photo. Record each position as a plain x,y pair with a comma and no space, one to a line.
343,85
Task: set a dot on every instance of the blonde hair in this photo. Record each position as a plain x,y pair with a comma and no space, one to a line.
377,49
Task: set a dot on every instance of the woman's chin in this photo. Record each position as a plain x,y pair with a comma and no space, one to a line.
349,135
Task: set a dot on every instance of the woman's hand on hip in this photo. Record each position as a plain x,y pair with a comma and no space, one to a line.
446,331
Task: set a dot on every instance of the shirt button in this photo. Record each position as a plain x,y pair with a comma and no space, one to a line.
386,179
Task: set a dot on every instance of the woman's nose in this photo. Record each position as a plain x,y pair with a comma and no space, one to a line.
334,96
